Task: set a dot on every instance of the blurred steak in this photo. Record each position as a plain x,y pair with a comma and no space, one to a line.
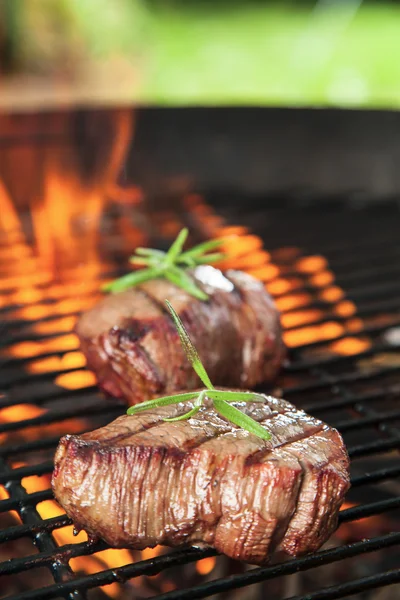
141,481
132,346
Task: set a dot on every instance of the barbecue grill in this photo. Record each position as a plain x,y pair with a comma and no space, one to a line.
332,268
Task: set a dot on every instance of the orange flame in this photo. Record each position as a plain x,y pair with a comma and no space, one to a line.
9,221
366,527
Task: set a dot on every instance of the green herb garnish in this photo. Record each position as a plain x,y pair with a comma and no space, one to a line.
221,399
171,265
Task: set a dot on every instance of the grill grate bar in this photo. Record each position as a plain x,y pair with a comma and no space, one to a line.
46,395
48,376
85,548
331,380
70,278
46,559
28,471
119,575
357,586
46,444
307,365
351,399
29,500
371,330
359,277
374,447
350,247
376,476
89,393
354,261
359,295
48,525
332,318
33,446
367,510
356,244
154,566
363,310
43,540
32,337
25,323
59,416
351,424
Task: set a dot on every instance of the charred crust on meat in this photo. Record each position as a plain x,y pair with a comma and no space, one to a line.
151,371
132,330
159,453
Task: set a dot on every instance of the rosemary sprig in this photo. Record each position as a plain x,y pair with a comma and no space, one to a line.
221,399
171,265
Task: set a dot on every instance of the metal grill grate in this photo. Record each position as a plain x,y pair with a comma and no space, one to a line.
333,273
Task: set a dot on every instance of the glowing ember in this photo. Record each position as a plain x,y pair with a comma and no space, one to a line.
76,380
307,335
20,412
60,343
322,279
70,360
279,286
4,495
311,264
300,317
332,294
345,308
206,565
351,346
265,273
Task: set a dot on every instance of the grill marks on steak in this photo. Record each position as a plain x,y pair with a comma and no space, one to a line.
140,481
131,343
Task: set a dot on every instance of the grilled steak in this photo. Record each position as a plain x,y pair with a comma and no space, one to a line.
141,481
132,346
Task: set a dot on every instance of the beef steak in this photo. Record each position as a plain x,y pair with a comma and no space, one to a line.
131,343
140,481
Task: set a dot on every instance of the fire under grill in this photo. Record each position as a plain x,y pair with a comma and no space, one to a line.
333,269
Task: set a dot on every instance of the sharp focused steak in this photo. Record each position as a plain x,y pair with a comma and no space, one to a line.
141,481
132,345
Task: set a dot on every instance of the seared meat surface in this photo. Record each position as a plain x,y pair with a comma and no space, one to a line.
132,345
140,481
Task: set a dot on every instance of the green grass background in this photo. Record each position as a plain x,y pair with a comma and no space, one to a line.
344,53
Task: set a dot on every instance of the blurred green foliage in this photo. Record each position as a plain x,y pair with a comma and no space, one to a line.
202,52
58,34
